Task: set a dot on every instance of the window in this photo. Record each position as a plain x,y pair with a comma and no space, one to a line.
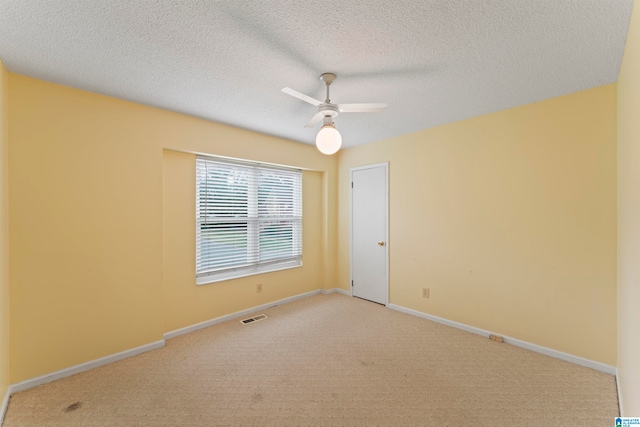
248,219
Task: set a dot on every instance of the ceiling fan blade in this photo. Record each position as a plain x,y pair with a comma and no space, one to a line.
301,96
361,108
315,119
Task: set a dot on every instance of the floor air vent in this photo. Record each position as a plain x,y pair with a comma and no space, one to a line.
253,319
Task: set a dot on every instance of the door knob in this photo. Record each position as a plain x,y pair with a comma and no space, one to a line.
380,243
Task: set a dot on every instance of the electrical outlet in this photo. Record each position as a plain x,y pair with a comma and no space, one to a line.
425,292
259,287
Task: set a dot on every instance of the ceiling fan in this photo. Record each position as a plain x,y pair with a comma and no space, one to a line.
329,139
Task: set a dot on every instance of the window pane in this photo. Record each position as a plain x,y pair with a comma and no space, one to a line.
223,245
276,240
223,192
275,195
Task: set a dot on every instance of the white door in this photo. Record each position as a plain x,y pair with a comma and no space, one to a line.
369,254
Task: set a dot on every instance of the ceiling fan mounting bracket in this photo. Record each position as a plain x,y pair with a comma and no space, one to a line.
328,78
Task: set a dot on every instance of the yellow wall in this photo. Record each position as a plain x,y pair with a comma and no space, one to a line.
509,219
629,221
86,231
4,237
186,304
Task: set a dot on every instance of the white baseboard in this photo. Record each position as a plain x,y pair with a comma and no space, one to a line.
602,367
619,394
5,404
34,382
242,313
513,341
338,290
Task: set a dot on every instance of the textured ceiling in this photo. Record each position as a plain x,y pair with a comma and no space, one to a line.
432,62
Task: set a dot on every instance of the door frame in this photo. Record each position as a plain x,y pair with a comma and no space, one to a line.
384,165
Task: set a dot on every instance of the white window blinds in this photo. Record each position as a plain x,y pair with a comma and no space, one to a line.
248,219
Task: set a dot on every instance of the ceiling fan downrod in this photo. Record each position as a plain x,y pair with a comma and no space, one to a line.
328,78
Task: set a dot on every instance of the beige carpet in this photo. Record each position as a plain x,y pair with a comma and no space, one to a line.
327,360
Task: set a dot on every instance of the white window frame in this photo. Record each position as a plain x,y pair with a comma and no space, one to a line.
253,265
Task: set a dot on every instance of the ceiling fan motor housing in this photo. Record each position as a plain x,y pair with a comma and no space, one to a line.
328,110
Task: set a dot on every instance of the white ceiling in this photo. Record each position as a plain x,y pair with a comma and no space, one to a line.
432,62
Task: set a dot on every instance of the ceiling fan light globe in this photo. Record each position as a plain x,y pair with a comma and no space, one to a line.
328,140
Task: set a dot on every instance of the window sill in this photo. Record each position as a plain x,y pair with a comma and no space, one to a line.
245,272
